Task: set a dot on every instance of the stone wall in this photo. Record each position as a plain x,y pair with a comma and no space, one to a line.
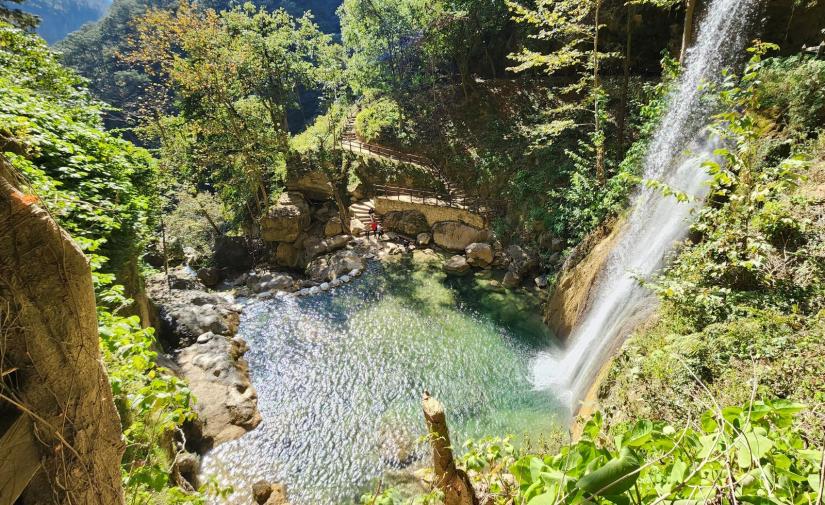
433,213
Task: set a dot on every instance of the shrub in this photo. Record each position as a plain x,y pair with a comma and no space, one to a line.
378,120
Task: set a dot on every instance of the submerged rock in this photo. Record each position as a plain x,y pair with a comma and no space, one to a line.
511,280
267,493
327,268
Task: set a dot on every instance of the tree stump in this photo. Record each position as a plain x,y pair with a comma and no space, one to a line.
452,481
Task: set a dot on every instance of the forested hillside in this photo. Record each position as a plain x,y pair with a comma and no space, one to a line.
594,229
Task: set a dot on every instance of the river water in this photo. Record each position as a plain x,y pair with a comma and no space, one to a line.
340,375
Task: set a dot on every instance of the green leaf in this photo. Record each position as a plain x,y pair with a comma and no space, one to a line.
615,477
750,447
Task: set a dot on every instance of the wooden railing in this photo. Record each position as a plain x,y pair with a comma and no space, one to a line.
424,197
487,209
360,147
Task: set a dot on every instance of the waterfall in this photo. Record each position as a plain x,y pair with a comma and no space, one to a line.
655,222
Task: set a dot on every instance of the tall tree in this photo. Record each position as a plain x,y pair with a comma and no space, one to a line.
570,29
230,80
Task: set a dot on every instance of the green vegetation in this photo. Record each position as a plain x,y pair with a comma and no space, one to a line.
101,189
542,109
378,120
232,77
743,302
755,454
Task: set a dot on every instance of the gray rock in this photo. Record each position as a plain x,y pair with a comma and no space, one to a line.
232,254
479,254
457,265
315,247
324,286
456,236
218,376
521,260
406,222
424,239
511,280
285,221
314,290
541,281
280,282
333,227
329,267
345,278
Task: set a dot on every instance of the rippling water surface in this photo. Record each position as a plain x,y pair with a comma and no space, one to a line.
340,375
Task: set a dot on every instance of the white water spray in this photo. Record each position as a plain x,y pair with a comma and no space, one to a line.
656,222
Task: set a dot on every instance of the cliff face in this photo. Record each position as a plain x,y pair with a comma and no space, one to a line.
577,277
54,383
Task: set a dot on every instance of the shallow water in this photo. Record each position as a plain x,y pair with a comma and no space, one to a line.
340,375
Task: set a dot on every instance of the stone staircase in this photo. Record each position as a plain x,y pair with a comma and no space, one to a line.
351,142
361,211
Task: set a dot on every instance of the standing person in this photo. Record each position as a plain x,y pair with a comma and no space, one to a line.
373,227
380,231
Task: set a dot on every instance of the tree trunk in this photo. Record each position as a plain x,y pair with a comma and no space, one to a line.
453,482
600,176
48,325
687,33
340,193
621,120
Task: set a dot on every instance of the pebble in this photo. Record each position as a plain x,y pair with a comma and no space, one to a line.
303,292
314,290
325,286
206,337
345,278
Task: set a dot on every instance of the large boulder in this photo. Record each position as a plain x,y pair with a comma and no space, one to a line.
285,221
457,265
232,254
330,267
287,255
521,260
217,374
356,227
455,235
315,246
333,227
314,185
479,254
406,222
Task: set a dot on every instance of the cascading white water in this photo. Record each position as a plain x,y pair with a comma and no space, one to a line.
656,222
